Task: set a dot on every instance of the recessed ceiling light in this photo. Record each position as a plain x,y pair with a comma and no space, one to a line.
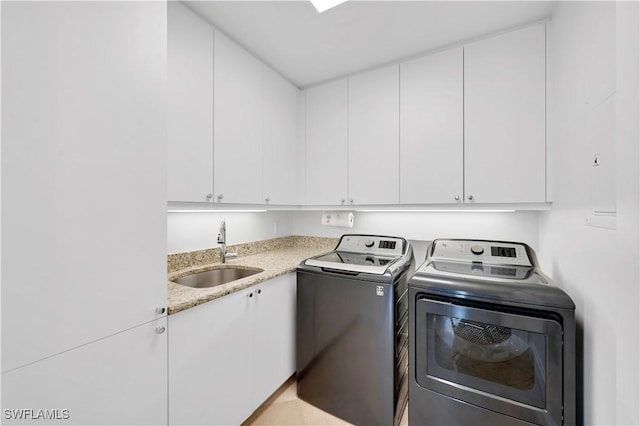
322,5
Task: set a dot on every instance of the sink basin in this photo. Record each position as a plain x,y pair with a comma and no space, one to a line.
215,277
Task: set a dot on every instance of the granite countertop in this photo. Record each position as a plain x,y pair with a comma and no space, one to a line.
275,257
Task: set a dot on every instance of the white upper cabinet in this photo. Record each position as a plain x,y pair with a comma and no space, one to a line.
83,191
504,113
326,143
190,106
374,137
431,129
279,139
237,123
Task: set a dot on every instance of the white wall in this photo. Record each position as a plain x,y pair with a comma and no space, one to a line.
516,226
594,50
197,231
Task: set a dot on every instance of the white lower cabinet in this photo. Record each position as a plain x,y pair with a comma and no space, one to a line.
209,362
228,355
121,379
274,336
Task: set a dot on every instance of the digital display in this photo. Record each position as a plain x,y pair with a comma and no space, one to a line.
384,244
503,251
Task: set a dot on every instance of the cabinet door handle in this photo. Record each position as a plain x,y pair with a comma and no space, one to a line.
470,197
160,310
457,198
342,201
259,291
351,200
220,197
250,295
160,330
266,200
209,197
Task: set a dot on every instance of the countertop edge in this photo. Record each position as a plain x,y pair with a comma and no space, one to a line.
236,287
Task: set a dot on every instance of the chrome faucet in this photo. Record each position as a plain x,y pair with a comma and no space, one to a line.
222,239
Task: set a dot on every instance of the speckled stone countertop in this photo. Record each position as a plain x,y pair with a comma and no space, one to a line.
275,257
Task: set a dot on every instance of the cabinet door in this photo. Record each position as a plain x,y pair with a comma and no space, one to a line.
121,379
279,139
190,106
326,143
83,191
237,124
210,362
431,129
504,112
274,332
374,137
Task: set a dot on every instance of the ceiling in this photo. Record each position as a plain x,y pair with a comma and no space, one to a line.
309,48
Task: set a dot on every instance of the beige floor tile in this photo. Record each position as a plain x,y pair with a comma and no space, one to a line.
315,416
284,408
287,392
282,413
404,420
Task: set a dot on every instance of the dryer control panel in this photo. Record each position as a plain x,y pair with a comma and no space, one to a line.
493,252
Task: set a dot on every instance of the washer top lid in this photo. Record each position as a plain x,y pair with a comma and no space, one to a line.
353,262
372,254
482,251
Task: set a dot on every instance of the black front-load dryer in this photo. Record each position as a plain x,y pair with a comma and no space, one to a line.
491,339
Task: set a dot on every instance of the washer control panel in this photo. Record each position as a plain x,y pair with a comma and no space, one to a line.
371,244
493,252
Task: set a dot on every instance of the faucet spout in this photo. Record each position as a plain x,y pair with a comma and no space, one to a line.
222,240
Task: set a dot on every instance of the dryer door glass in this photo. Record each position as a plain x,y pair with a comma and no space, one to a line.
488,357
505,361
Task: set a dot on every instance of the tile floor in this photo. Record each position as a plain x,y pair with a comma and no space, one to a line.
284,408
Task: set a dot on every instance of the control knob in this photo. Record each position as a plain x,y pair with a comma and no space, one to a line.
368,243
477,249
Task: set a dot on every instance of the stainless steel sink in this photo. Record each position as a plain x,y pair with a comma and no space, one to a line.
215,277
